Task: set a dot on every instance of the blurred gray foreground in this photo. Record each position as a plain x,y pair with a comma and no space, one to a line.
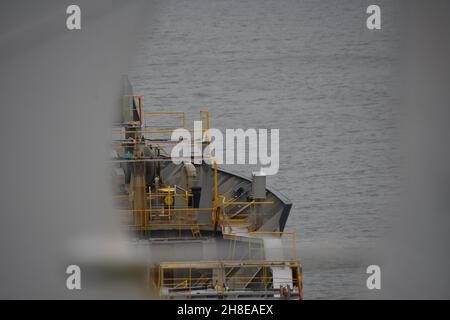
58,91
417,256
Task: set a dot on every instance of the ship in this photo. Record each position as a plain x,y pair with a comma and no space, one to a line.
207,233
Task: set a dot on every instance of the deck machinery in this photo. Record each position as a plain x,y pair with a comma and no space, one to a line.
206,232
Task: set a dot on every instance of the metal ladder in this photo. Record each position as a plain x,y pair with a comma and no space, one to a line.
196,231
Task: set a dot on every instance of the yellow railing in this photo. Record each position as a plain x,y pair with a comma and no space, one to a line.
175,217
179,113
204,118
225,281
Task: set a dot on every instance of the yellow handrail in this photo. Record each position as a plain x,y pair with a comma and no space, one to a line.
183,115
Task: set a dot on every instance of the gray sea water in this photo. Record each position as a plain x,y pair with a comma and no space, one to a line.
313,70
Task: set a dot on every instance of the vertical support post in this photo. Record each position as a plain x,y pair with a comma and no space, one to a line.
138,186
160,280
265,280
299,282
294,245
216,186
143,200
190,281
206,113
140,110
215,212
